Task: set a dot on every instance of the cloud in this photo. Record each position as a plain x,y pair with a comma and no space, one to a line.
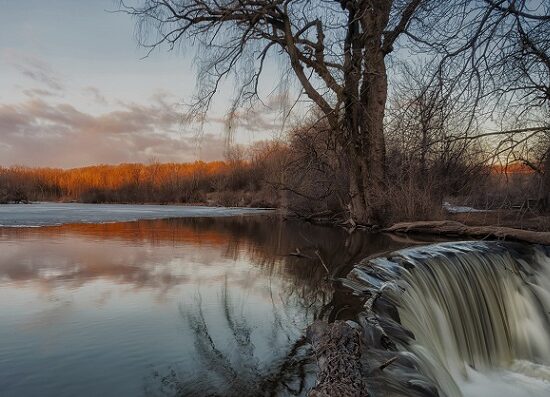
33,68
37,92
264,117
257,121
96,95
40,133
252,120
51,128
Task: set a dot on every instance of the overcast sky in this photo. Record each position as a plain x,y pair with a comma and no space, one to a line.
74,90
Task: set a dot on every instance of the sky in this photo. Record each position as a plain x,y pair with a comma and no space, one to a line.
76,90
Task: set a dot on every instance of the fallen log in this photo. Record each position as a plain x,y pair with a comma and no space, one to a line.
337,348
453,228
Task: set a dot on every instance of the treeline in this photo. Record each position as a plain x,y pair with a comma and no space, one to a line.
235,182
306,174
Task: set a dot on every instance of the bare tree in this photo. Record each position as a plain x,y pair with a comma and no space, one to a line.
490,54
507,61
429,159
488,62
493,57
335,49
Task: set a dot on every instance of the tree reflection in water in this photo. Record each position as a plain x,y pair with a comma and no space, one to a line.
234,368
234,365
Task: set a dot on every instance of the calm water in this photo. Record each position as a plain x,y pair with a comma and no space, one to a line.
199,306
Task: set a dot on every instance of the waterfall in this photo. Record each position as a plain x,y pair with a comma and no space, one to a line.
479,313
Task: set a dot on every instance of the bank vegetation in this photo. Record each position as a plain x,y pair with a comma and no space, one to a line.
430,176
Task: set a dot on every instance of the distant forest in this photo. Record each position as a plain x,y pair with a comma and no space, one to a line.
305,175
216,183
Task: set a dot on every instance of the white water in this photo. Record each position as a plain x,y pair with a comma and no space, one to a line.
480,317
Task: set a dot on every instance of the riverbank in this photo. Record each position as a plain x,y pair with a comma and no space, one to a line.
453,229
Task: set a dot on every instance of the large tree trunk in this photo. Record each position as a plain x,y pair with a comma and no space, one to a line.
546,183
373,101
365,102
359,208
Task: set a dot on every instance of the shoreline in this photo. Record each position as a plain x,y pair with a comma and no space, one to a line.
449,228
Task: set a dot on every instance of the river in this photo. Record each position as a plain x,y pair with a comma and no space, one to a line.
163,307
195,301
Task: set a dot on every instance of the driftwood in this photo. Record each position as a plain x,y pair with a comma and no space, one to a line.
453,228
337,348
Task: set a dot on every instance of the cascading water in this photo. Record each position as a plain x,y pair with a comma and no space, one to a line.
479,312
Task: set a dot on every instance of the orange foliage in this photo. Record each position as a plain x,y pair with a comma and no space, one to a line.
156,182
512,168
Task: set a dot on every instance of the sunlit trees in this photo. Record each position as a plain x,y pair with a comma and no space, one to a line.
139,183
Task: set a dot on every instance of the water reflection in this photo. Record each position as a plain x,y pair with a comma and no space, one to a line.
213,306
235,366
